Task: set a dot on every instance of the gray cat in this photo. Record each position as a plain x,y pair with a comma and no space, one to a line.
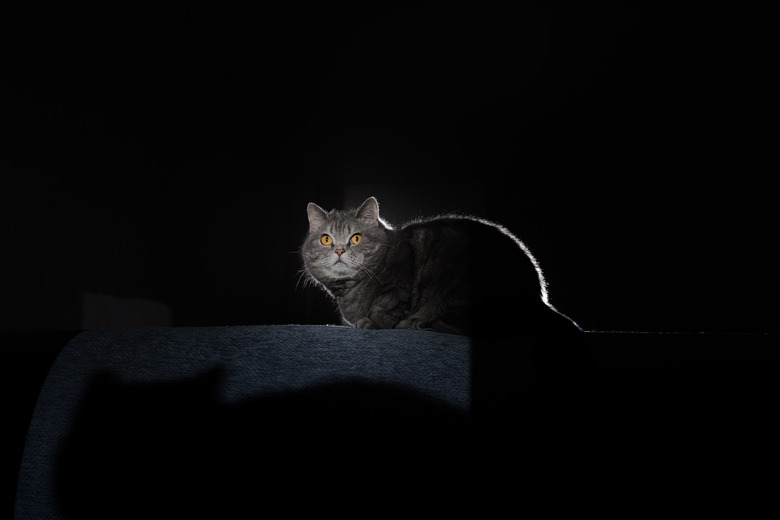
454,274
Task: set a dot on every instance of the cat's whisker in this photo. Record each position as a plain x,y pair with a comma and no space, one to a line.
362,267
303,275
371,274
365,270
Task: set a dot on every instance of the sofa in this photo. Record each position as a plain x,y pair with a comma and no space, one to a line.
236,422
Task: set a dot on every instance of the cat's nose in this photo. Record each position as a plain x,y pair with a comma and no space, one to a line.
339,251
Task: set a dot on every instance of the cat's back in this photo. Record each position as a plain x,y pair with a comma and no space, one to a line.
448,225
463,231
489,249
502,278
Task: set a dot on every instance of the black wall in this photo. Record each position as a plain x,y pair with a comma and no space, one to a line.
166,152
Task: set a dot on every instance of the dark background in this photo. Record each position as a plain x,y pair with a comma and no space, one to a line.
157,157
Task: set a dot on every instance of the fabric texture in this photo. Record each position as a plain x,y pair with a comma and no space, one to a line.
163,421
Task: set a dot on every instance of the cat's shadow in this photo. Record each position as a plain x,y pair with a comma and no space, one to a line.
174,450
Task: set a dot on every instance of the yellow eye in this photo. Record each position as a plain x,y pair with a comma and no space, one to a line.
356,238
325,240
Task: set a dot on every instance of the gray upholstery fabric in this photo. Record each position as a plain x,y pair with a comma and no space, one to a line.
119,402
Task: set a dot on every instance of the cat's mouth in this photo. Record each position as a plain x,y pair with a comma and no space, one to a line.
340,269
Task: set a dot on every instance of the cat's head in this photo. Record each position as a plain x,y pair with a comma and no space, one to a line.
345,245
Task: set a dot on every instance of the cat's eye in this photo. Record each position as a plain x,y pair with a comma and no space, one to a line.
356,238
326,240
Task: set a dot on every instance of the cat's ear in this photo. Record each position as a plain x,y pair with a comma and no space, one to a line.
317,216
369,211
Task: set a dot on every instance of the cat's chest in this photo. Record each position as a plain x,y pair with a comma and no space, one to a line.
351,312
355,302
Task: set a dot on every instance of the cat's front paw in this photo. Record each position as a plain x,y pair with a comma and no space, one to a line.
365,323
414,323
